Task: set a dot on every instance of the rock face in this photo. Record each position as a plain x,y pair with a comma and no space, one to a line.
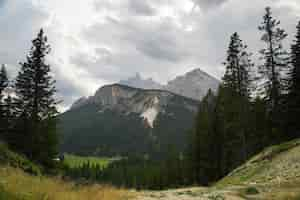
193,84
125,119
124,99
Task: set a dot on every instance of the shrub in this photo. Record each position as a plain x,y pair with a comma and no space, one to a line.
251,191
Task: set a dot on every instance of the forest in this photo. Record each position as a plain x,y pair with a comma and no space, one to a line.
256,106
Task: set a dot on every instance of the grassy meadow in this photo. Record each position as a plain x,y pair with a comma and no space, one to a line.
17,185
74,161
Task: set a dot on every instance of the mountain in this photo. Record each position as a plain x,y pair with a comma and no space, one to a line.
193,84
121,120
138,82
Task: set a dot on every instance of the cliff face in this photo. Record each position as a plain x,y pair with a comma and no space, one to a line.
193,84
123,99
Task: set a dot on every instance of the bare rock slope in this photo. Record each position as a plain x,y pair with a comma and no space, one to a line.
193,84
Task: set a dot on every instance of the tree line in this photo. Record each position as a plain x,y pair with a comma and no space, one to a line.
134,172
255,106
28,106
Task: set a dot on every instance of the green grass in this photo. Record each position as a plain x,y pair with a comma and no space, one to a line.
21,179
17,185
276,163
74,161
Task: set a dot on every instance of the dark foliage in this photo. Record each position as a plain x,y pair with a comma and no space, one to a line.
293,97
35,106
3,86
275,64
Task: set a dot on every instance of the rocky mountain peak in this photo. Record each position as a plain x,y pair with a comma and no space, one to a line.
193,84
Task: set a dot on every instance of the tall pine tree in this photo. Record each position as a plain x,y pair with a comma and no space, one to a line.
36,105
293,102
232,110
3,81
238,65
275,62
203,152
3,86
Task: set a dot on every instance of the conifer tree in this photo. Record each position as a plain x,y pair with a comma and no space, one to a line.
3,86
36,105
294,88
3,80
233,106
8,118
202,156
275,61
238,65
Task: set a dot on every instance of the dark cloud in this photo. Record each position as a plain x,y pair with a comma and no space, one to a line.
127,7
208,3
2,2
161,48
160,42
141,7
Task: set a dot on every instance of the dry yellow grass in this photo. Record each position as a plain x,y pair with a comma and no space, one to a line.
25,186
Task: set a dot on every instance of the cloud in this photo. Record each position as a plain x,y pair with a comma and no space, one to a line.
161,41
96,42
141,7
2,2
20,21
206,4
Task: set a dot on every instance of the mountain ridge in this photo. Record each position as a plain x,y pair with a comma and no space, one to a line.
193,84
84,100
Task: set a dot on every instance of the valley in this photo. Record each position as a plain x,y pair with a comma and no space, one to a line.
271,174
190,136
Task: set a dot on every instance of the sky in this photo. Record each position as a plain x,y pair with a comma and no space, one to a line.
97,42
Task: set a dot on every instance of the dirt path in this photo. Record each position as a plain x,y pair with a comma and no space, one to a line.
196,193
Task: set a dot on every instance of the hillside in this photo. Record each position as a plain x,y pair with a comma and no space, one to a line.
272,174
16,184
121,120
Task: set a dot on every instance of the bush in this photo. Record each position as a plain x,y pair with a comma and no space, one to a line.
251,191
13,159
